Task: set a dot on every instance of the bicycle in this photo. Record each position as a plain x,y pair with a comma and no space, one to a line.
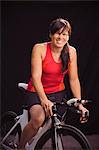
53,135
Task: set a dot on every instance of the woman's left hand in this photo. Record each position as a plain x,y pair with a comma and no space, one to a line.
85,114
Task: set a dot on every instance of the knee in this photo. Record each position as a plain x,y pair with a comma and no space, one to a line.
37,121
37,116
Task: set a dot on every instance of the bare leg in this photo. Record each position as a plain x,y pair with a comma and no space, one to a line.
37,118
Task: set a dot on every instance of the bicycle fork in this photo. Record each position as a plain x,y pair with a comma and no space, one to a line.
56,137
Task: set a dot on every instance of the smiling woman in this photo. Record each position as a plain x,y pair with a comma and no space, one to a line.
59,31
50,62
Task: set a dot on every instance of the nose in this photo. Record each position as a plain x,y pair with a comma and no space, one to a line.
60,36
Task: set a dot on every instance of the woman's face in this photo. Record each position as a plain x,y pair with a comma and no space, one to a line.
60,38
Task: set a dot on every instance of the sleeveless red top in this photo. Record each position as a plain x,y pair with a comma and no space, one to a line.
52,75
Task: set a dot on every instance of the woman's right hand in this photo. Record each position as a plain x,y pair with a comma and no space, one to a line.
47,105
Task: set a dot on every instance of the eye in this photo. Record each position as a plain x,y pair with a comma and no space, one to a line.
65,34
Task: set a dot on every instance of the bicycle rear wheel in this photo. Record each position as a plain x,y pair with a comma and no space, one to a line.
7,122
71,137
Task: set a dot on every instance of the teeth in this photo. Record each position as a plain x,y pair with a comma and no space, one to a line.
59,42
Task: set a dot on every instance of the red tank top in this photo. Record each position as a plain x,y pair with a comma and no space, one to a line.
52,75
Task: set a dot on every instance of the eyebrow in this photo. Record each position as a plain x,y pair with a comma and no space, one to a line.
62,31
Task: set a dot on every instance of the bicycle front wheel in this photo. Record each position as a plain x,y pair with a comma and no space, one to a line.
71,138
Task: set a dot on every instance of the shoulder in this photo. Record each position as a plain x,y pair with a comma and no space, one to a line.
72,52
40,48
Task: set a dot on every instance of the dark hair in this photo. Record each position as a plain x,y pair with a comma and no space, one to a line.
55,26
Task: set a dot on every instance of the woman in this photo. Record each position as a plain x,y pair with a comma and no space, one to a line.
50,62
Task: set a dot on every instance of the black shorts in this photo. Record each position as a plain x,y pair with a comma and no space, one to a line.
31,98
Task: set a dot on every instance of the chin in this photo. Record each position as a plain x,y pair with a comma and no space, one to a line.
59,45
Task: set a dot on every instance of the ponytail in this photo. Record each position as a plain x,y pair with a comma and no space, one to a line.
65,57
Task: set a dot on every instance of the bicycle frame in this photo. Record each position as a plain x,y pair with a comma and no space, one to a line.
51,123
23,120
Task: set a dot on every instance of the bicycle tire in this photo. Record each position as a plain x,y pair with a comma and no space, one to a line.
72,138
7,121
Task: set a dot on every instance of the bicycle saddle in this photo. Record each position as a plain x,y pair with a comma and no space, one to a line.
22,86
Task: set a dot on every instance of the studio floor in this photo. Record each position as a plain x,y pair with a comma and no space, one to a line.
94,141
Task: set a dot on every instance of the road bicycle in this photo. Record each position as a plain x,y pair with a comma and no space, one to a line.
55,134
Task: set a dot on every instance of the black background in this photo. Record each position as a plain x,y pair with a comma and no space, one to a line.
25,23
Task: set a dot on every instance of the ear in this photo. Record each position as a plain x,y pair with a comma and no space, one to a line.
50,35
67,38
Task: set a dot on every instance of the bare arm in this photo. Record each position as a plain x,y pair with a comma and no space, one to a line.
73,74
74,82
36,71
